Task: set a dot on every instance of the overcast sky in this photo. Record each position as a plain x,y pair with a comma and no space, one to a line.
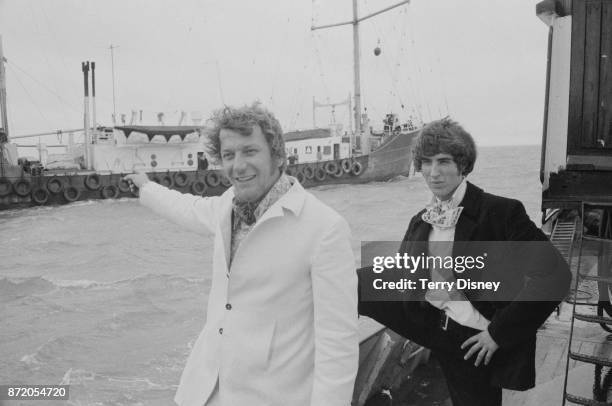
481,61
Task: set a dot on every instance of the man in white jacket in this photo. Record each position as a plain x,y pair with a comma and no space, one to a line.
281,324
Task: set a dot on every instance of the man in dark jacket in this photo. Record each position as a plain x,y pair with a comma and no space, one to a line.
484,339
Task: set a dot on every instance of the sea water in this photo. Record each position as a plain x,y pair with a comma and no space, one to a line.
107,297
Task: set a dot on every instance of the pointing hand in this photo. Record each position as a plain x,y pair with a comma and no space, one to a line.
136,179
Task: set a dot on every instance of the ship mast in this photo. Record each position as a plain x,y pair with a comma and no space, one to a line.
356,58
4,119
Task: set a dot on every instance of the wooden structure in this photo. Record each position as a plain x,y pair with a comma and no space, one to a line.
576,175
577,138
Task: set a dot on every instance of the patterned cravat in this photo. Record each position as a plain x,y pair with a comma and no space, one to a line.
442,214
244,211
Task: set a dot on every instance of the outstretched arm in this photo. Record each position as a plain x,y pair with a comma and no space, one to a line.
196,213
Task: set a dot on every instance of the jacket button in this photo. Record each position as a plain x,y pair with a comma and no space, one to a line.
221,330
228,306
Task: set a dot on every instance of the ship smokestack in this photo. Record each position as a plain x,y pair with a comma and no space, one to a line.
93,97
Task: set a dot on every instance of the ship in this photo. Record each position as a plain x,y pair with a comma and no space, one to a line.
175,157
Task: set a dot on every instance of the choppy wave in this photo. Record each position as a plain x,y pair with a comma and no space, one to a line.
54,349
12,288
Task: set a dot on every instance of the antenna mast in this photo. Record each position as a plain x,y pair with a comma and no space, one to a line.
112,48
356,71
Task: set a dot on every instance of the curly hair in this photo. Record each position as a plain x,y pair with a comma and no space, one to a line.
445,136
242,120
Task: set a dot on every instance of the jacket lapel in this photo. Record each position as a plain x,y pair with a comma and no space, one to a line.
466,225
226,232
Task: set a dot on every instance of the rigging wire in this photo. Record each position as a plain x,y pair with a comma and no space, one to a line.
32,100
44,50
320,63
51,30
418,69
392,74
444,90
299,96
401,50
67,104
280,54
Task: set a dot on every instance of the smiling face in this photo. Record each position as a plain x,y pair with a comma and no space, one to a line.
441,174
248,162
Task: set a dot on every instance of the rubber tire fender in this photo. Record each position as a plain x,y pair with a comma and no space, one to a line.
6,187
22,187
212,179
320,174
110,192
92,181
309,172
181,179
356,168
40,196
331,167
55,185
71,194
198,187
346,165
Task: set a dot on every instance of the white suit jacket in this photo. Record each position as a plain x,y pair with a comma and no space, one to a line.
282,328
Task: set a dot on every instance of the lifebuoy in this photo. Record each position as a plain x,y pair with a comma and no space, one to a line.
6,187
71,193
181,179
225,181
309,172
55,185
331,167
22,187
346,165
92,181
320,174
356,169
198,187
212,179
40,196
110,192
123,185
290,171
164,180
300,177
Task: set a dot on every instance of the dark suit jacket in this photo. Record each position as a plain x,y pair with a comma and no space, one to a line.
531,287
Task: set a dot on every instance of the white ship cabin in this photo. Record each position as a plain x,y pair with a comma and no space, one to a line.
125,149
318,144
